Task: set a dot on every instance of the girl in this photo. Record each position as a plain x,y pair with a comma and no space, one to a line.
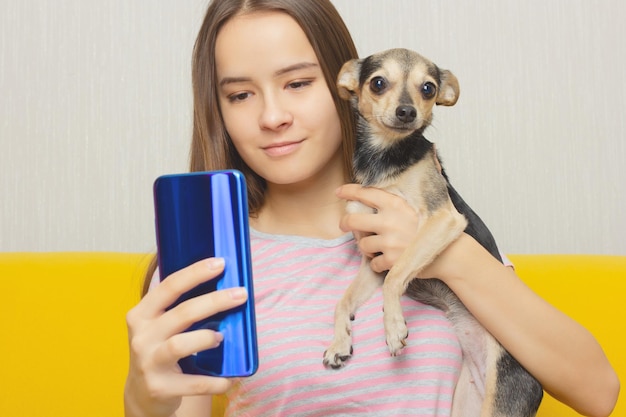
266,104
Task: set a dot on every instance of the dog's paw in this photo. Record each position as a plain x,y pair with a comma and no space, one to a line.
396,333
337,354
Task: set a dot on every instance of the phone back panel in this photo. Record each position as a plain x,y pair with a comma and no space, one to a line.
201,215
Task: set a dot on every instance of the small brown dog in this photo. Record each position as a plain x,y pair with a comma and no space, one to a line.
393,94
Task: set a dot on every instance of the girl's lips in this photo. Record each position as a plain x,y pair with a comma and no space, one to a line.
281,149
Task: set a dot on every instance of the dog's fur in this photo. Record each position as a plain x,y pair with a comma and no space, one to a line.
393,94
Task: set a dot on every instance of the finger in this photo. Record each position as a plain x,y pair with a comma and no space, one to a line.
371,245
369,196
346,191
185,344
382,222
183,385
384,249
362,222
191,385
380,263
175,285
375,198
195,309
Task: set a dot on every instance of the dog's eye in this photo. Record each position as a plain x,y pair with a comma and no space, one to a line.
429,90
378,85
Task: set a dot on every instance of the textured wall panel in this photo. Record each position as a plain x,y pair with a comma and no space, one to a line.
95,103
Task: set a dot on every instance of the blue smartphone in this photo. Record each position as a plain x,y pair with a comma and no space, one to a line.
200,215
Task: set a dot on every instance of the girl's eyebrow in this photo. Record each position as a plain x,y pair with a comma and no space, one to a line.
295,67
233,80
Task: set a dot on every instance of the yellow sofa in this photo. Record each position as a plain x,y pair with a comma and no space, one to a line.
63,335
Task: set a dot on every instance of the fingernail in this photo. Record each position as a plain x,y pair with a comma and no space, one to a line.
238,293
219,338
215,263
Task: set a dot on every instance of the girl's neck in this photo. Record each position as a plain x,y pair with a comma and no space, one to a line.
311,210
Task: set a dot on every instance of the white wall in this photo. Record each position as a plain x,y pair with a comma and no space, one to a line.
95,103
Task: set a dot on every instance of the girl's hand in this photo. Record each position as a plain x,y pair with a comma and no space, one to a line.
156,385
385,234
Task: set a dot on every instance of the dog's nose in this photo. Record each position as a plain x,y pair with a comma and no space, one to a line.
406,114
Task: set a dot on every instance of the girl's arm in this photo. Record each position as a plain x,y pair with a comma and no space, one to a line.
559,352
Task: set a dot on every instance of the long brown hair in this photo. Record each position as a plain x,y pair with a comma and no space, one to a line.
211,147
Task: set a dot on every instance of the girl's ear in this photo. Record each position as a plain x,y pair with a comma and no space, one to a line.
449,89
348,79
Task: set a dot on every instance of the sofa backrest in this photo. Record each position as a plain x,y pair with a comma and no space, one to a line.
63,327
64,346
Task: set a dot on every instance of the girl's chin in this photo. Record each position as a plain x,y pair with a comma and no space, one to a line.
299,168
290,175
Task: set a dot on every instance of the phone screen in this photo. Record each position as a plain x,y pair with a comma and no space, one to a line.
200,215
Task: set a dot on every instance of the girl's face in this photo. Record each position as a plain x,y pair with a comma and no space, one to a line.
274,100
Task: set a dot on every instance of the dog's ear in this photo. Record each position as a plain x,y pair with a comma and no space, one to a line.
449,89
348,78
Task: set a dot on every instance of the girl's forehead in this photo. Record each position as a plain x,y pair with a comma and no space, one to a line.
267,31
261,41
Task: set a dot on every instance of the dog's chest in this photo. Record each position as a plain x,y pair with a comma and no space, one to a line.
421,185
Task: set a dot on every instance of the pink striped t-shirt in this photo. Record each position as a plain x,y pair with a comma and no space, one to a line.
297,282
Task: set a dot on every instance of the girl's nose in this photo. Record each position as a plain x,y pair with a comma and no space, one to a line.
275,114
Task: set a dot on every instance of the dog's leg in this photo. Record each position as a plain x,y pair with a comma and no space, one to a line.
467,402
479,369
359,291
439,230
476,387
492,351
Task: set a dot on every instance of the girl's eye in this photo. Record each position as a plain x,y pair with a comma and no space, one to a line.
233,98
296,85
